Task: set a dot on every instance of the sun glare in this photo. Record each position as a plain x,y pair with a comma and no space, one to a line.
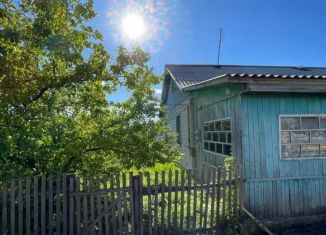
133,26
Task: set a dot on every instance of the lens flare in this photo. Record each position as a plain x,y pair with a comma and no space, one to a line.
133,26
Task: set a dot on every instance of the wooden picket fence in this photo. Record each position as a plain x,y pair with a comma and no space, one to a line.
165,203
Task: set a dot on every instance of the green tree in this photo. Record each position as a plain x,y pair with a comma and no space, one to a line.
54,77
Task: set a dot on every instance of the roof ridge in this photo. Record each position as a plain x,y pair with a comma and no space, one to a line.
237,65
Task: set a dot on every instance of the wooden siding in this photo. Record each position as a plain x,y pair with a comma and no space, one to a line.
177,103
215,103
275,187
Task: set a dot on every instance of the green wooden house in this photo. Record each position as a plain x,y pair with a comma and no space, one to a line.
272,119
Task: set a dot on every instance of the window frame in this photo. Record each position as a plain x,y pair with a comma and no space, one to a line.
280,135
231,132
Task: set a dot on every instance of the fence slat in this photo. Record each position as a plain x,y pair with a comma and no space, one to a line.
99,205
125,209
106,219
176,181
92,201
119,204
78,205
156,205
149,199
189,176
213,202
132,213
58,205
36,209
207,198
20,206
236,186
182,198
71,205
201,201
12,207
4,206
230,190
28,206
163,203
85,203
50,206
224,192
169,199
195,200
43,198
141,212
65,204
218,195
114,224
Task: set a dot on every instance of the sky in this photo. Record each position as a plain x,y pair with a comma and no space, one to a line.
255,32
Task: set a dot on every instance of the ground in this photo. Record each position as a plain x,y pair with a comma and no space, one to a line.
316,229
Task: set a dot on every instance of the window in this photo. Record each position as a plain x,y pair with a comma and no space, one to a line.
217,136
178,129
302,136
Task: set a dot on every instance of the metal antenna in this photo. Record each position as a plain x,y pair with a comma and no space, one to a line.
219,47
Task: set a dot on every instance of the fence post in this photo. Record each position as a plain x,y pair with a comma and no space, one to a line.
137,201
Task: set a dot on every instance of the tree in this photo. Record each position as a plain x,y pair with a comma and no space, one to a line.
54,77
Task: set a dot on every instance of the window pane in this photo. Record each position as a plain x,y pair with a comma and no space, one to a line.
206,145
310,150
322,122
212,147
290,151
290,123
323,150
300,136
229,138
218,148
205,136
285,137
215,136
309,122
205,127
209,136
227,149
218,126
318,136
211,126
226,125
223,137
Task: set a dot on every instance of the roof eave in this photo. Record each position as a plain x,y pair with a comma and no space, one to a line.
210,82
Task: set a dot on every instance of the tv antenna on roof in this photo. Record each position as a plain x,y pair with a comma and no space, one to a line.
219,47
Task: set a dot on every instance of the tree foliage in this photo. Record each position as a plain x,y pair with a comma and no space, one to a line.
54,77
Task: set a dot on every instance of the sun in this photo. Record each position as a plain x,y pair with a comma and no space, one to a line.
133,26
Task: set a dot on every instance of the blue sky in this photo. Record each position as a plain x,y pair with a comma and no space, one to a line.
255,32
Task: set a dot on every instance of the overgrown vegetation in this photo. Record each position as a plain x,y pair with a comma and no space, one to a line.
54,77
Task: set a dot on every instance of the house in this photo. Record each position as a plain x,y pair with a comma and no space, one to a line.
272,119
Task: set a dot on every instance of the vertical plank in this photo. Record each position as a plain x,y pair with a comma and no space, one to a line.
156,205
224,192
65,204
176,181
119,204
99,205
169,199
136,187
182,198
163,203
20,206
236,188
189,175
43,201
78,205
4,207
50,206
28,206
125,205
85,203
91,200
230,190
201,201
12,206
114,224
141,225
106,218
207,189
131,183
36,210
195,200
58,205
218,196
71,205
149,192
212,225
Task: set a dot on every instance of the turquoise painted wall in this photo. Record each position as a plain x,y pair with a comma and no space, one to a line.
275,187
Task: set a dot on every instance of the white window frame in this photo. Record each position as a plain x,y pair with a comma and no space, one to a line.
231,132
280,135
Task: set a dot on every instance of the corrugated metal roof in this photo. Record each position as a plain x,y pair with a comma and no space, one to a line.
190,75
